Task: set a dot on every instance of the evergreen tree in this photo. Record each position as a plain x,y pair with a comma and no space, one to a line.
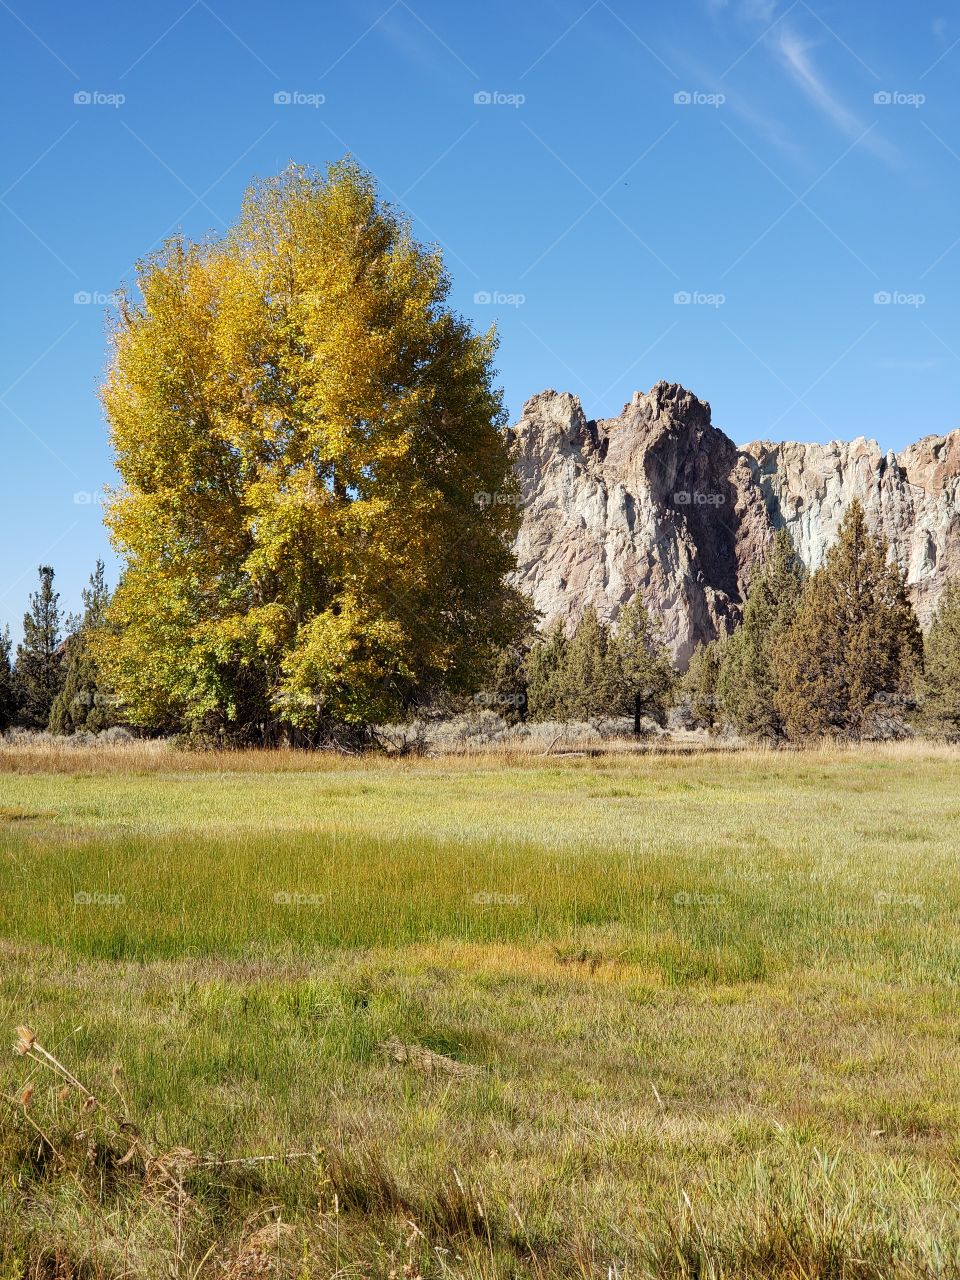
852,653
8,698
746,684
699,684
83,703
546,675
940,685
643,676
600,671
589,683
38,675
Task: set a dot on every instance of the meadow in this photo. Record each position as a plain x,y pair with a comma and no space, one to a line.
616,1015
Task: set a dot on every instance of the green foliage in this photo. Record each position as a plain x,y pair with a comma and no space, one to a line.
84,703
38,676
318,503
847,663
940,685
699,684
746,686
599,671
8,696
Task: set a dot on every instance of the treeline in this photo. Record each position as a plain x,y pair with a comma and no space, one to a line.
835,654
53,681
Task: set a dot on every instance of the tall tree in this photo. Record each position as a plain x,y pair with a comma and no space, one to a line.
8,695
643,675
318,503
854,648
940,685
600,671
546,675
84,702
38,675
699,684
746,683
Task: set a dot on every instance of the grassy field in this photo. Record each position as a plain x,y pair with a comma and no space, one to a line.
663,1016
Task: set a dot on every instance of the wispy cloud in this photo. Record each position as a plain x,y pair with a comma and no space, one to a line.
795,53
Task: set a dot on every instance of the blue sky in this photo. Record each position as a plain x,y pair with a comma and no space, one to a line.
778,165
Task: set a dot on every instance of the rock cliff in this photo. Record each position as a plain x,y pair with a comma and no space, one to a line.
661,502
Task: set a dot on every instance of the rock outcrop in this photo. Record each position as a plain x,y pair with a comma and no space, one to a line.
660,502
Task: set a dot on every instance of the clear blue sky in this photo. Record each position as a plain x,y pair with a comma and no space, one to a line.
582,199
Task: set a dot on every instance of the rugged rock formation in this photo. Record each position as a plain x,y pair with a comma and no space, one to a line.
659,501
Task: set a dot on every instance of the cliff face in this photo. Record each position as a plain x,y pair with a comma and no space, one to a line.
659,501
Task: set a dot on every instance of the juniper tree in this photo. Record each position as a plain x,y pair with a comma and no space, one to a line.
746,686
854,649
38,675
699,684
8,698
84,702
940,685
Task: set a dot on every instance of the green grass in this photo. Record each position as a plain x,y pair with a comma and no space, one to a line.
714,1002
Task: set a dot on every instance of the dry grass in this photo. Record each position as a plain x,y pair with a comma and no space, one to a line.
688,1017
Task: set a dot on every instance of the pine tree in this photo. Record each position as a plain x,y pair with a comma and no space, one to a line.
846,665
699,684
546,675
746,684
8,697
940,685
644,679
590,685
83,703
38,675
